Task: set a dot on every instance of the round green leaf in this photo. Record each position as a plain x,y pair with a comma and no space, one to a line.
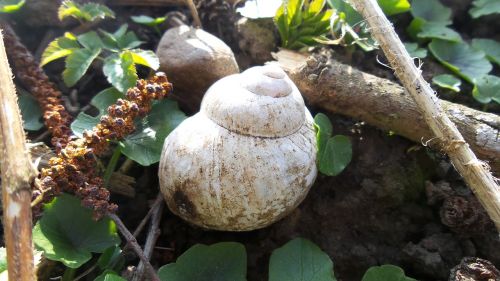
145,57
324,130
145,144
490,47
394,7
225,261
30,111
487,88
386,272
120,71
300,260
468,63
437,30
447,81
431,11
336,155
415,51
67,233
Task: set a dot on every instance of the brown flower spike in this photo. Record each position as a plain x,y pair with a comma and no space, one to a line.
73,170
57,119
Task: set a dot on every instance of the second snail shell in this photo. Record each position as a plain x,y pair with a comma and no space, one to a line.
247,159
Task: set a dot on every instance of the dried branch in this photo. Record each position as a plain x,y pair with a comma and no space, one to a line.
328,84
194,13
56,118
17,175
474,171
153,234
135,246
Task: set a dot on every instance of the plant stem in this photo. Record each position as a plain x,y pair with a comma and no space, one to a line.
475,172
194,13
135,246
110,168
17,174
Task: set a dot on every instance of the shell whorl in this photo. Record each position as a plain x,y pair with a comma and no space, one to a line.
261,101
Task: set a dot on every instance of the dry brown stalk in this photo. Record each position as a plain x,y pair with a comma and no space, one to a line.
56,118
339,88
17,175
475,172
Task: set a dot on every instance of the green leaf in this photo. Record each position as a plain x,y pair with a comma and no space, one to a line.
487,88
490,47
447,81
145,57
300,260
431,11
385,272
225,261
394,7
415,51
101,101
437,30
324,130
10,6
3,259
61,47
149,21
468,63
30,111
90,40
145,144
77,63
109,275
336,155
67,233
120,71
85,12
484,7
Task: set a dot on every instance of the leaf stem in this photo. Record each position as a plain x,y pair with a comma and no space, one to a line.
112,165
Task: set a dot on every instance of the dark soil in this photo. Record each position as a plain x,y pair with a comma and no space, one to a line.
381,210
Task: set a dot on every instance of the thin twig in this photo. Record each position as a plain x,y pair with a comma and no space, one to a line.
194,13
17,175
135,246
158,201
153,234
475,172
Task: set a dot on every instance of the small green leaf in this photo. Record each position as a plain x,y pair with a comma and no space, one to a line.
386,272
324,130
484,7
109,275
431,11
447,81
225,261
120,71
11,6
3,259
67,233
490,47
101,101
111,259
145,144
394,7
300,260
147,20
61,47
415,51
145,57
85,12
437,30
468,63
30,111
90,40
336,155
77,63
487,88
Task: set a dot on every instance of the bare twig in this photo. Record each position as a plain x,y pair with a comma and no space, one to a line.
17,175
475,172
194,13
339,88
153,234
135,246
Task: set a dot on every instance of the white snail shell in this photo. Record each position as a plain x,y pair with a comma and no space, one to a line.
247,159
